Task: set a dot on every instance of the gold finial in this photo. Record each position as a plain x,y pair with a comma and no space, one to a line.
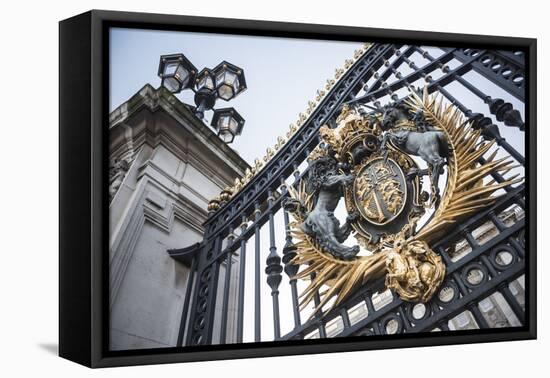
258,165
269,154
291,130
310,107
280,142
338,73
320,94
237,186
247,176
301,118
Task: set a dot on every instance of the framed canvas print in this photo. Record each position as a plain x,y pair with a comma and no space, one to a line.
233,188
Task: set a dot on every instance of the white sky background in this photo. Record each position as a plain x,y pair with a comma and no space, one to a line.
282,75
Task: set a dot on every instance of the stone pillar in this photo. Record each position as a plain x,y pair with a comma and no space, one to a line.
165,167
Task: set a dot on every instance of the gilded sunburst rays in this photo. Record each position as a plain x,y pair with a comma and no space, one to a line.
466,192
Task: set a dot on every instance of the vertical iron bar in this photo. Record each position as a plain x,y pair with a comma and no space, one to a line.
317,301
242,274
186,301
370,308
295,302
488,265
461,287
345,317
478,316
257,277
499,224
227,283
519,249
513,303
273,270
204,295
289,252
406,324
446,258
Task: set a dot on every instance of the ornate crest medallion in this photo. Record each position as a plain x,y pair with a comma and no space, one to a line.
380,191
369,159
386,195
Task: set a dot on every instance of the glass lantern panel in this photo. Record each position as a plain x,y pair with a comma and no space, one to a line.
230,77
236,85
226,136
170,68
182,75
220,78
206,82
225,92
171,84
233,125
223,122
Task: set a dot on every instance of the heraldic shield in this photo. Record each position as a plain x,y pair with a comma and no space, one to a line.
380,161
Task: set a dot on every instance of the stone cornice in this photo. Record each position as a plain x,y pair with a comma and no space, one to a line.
155,99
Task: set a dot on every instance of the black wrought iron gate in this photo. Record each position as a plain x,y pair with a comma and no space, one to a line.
484,255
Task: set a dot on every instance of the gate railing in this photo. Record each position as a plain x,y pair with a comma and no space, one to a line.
497,275
214,308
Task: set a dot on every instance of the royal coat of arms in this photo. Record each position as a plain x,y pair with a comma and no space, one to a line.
373,160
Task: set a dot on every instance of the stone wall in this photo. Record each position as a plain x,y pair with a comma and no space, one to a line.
165,167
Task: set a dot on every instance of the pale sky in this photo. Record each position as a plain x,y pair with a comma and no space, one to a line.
282,74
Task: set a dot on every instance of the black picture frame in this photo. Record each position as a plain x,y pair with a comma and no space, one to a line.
83,232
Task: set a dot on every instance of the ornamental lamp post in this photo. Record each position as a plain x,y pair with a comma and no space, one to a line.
205,93
230,81
225,81
229,124
177,72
